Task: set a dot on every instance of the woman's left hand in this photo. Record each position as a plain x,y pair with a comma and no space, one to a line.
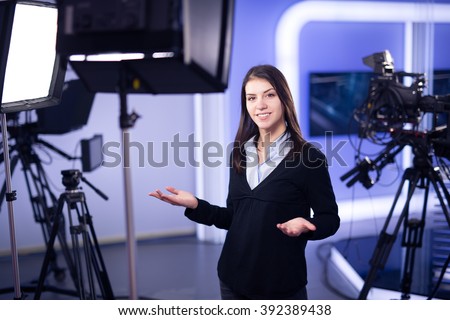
296,226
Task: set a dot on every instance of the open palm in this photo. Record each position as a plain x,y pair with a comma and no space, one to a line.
176,197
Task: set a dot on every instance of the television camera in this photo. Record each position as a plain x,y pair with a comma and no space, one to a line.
391,116
392,106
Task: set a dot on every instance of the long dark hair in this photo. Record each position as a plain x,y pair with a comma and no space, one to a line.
247,128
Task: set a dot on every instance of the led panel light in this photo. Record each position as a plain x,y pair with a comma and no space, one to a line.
34,73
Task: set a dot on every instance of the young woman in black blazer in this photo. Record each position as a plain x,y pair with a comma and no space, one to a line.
280,196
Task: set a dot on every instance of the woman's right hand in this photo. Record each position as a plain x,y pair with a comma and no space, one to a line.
176,198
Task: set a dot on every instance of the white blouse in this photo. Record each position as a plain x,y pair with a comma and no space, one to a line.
276,152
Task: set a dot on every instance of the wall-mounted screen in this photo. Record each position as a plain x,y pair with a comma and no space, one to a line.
333,96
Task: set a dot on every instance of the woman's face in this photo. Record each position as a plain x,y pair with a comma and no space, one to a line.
265,107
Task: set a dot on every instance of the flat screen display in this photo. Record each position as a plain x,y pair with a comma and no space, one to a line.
332,99
333,96
91,153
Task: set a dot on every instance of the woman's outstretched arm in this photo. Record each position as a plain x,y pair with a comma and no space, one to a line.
176,197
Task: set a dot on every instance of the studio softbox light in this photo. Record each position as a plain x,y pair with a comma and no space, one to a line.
172,46
31,72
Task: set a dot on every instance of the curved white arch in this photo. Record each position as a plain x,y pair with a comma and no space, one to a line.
298,15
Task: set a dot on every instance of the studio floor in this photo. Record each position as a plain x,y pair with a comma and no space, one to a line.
176,268
184,268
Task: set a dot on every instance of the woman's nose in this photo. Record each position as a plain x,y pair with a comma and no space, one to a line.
260,104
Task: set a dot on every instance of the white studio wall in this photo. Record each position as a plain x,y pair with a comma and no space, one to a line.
162,117
212,129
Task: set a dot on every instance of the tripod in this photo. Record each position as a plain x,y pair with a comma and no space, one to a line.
421,175
44,204
42,199
94,265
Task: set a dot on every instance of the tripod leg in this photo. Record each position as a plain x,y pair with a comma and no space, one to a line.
48,255
42,199
75,230
87,247
43,216
99,264
94,264
81,230
386,241
99,267
56,232
439,186
413,240
442,192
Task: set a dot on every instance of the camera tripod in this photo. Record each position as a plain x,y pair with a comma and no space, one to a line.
421,175
88,245
42,199
44,205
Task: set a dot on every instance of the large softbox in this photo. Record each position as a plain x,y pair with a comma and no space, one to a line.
184,46
31,72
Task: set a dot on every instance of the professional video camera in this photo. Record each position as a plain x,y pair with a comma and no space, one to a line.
391,105
391,116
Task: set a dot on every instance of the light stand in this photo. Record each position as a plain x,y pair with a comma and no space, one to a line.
126,122
6,21
169,39
119,79
10,197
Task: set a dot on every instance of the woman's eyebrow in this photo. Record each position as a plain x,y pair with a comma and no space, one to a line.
252,94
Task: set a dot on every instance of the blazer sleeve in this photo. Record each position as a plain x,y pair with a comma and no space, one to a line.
210,214
213,215
321,197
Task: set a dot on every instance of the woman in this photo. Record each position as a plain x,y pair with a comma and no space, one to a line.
276,179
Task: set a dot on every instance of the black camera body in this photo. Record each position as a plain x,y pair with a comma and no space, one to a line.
391,104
